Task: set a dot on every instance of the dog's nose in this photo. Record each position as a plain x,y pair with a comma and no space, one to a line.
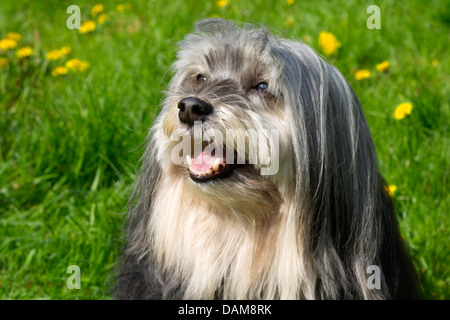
193,109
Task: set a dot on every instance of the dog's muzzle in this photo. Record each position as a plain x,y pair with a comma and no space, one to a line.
209,164
193,109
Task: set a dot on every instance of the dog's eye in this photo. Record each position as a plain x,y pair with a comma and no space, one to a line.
262,86
201,78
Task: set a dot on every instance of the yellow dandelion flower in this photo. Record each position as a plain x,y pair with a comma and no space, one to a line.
362,74
391,189
102,18
87,26
98,8
77,65
24,52
434,63
65,50
328,43
383,66
123,6
59,71
402,110
222,3
8,44
289,21
289,2
4,63
54,55
14,36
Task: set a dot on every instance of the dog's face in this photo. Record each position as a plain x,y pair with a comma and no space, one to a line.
225,107
250,119
223,125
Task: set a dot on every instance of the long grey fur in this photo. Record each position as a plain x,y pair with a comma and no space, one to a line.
347,218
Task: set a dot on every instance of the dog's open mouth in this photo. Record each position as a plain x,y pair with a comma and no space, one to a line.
208,166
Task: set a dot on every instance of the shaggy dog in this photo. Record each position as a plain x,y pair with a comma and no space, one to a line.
292,206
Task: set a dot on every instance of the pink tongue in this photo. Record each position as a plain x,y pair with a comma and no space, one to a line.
205,161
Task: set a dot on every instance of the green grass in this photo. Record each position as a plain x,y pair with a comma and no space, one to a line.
69,145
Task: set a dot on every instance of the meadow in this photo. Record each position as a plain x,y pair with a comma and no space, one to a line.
76,105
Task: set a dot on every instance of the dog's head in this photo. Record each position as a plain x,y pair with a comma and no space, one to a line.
247,113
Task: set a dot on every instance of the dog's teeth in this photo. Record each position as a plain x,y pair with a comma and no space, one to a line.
216,165
188,159
210,171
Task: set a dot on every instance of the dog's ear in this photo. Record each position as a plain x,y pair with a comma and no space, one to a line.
141,201
135,279
347,220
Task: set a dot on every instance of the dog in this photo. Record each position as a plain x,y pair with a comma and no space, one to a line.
303,215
